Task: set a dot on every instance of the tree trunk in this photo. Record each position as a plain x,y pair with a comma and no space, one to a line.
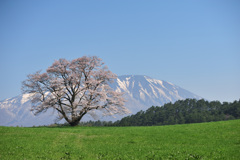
75,120
74,123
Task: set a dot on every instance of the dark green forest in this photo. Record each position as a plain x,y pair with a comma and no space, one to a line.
180,112
183,112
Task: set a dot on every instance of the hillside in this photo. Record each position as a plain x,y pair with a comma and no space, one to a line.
183,111
215,140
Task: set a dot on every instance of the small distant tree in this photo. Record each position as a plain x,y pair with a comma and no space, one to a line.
74,88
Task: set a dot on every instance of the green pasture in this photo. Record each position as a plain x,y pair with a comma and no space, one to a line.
214,140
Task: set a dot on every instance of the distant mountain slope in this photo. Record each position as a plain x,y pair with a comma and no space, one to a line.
141,92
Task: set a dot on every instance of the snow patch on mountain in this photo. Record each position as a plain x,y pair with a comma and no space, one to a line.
25,98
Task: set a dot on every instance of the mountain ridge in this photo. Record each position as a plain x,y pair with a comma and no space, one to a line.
141,92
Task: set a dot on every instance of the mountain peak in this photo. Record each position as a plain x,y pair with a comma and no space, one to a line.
133,76
150,91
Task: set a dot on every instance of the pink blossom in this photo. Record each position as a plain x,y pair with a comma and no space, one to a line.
75,88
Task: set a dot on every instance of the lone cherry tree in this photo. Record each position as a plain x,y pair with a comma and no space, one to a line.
74,88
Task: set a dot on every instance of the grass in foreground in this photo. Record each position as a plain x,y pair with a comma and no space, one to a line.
215,140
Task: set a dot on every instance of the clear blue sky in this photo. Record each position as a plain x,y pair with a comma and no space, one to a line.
193,44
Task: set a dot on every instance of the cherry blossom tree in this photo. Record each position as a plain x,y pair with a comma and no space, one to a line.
75,88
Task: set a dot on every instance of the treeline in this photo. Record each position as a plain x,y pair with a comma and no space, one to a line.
85,124
182,112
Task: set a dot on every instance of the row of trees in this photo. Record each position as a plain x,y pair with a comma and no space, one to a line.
183,111
90,123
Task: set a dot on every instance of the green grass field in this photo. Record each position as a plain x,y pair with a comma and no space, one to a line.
215,140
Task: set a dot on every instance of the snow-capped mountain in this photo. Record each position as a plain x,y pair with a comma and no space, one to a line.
141,92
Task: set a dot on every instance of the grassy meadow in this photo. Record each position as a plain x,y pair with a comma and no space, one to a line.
214,140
